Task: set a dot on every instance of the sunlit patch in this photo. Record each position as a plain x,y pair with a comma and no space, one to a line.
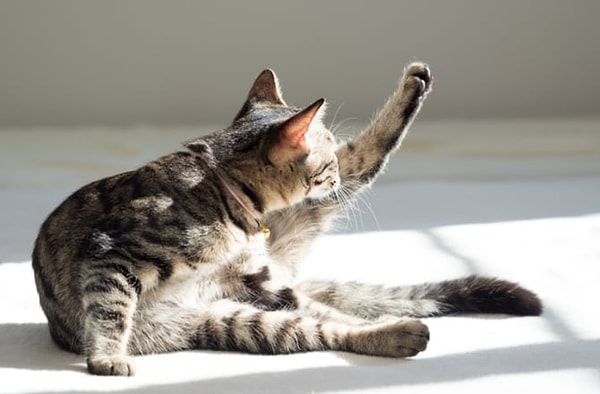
154,203
191,177
195,236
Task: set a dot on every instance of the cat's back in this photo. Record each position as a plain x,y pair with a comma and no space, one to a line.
118,205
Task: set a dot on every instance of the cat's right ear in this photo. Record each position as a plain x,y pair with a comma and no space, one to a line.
264,91
291,142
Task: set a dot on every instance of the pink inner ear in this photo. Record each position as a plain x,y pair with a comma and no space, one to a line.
293,133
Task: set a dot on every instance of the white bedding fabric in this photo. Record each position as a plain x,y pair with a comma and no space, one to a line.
534,220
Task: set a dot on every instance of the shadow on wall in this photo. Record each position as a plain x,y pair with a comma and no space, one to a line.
423,205
401,206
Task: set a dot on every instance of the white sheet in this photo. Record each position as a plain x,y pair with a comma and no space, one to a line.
540,231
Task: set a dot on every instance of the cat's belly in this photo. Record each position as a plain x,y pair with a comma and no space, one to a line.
193,288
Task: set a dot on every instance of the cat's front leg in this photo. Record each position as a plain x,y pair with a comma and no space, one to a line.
364,157
109,301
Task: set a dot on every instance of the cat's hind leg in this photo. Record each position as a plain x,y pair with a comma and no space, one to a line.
240,327
231,326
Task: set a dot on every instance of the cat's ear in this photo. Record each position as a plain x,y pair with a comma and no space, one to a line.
266,89
291,142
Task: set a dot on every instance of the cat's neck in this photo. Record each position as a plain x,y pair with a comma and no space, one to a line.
247,200
252,212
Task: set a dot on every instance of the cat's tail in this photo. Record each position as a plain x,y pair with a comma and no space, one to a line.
472,294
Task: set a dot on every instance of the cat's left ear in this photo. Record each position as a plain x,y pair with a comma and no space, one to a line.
291,142
265,91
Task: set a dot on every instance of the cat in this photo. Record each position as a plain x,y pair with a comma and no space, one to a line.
199,249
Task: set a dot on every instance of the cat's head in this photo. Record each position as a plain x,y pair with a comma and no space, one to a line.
285,153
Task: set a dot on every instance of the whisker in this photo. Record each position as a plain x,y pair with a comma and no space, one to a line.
335,128
367,204
335,114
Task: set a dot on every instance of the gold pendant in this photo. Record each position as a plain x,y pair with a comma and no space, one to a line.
265,230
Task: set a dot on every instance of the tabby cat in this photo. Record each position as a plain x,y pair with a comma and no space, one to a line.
199,249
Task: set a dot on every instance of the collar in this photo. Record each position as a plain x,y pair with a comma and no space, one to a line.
261,226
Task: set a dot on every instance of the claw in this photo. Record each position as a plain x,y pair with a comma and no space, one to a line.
422,72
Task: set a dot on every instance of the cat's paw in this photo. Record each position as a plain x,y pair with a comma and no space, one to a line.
114,365
403,338
417,80
399,338
407,338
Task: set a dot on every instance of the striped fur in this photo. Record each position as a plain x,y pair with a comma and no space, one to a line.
171,256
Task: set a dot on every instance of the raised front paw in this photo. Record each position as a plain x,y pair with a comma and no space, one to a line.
417,80
114,365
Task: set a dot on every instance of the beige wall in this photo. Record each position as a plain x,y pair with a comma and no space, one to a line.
187,62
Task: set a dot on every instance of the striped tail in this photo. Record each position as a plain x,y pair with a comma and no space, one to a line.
472,294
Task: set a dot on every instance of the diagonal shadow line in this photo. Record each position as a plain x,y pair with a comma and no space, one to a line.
437,241
582,354
28,346
558,326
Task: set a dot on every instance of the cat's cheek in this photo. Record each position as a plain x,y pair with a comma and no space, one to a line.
324,190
